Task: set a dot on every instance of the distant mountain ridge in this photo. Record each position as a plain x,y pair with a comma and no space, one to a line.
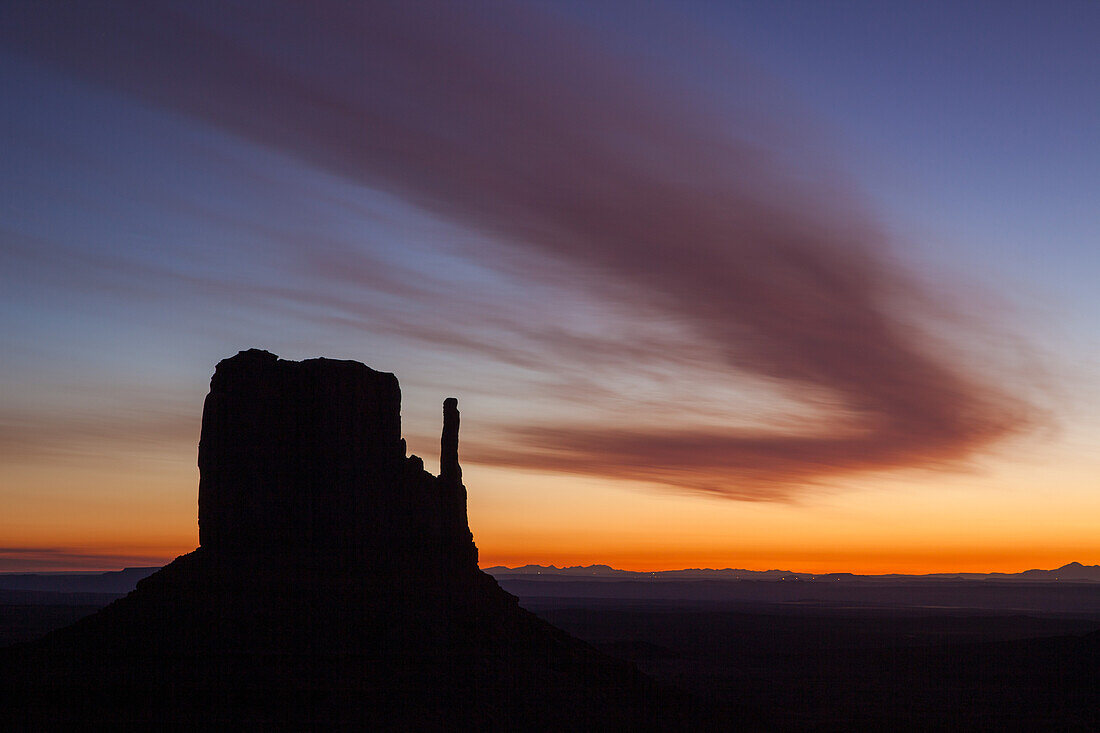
124,581
115,581
1074,572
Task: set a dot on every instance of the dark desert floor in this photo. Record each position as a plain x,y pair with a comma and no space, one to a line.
872,663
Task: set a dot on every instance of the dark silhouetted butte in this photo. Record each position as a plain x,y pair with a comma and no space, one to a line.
336,585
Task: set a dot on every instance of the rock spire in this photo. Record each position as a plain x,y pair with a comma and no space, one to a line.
449,470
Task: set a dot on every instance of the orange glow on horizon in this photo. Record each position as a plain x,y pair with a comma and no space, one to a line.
107,557
61,516
976,561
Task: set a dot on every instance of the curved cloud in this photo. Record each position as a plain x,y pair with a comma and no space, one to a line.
521,128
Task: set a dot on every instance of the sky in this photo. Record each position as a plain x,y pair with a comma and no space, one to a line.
760,285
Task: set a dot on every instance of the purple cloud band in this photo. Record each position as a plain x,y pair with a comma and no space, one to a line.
524,130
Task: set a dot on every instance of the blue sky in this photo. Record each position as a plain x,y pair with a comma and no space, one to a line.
149,231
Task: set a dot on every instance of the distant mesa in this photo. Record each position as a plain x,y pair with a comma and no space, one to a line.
1074,572
336,584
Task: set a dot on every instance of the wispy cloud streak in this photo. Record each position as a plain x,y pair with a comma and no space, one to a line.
524,130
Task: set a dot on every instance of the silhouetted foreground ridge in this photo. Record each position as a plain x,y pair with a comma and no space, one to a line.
336,583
